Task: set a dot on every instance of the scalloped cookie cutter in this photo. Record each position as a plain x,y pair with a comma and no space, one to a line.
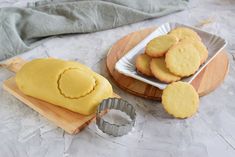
115,129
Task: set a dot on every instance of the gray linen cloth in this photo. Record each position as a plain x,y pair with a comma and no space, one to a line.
22,28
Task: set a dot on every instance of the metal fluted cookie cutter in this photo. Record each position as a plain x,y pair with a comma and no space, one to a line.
115,129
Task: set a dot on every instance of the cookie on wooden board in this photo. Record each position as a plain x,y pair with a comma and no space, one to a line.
160,71
185,33
203,52
183,59
158,46
180,99
142,64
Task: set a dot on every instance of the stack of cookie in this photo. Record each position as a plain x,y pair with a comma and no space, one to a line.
173,56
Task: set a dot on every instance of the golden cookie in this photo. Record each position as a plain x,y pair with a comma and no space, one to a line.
180,99
203,53
183,59
157,47
142,64
185,33
160,71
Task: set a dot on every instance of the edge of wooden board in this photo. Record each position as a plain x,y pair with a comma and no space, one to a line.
53,111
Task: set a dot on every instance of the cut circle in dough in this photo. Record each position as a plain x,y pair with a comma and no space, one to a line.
180,99
75,83
40,79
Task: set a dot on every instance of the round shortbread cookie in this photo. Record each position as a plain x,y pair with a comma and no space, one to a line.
203,52
142,64
180,99
160,71
158,46
185,33
183,59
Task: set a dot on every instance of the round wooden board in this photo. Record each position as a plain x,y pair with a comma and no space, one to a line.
209,78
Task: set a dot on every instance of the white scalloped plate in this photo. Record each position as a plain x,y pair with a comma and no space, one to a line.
126,65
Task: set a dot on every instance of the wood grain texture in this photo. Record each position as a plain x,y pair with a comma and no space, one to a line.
14,64
209,78
69,121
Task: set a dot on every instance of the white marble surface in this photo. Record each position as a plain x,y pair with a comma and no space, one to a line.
23,132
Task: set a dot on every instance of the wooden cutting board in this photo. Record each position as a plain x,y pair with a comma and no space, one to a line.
70,121
209,78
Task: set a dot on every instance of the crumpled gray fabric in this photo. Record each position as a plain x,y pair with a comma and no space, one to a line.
22,28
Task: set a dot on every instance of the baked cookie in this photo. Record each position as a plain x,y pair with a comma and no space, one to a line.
142,64
185,33
157,47
180,99
160,71
183,59
203,52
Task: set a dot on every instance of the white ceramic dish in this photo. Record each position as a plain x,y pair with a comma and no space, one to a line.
126,65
